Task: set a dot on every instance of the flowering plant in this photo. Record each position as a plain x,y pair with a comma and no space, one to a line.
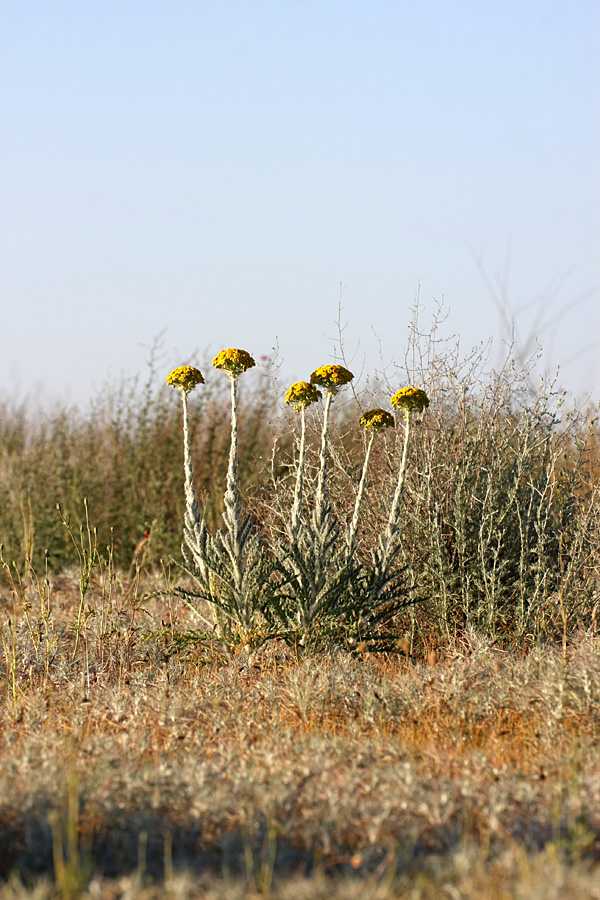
377,420
185,378
410,399
233,361
331,377
308,582
301,394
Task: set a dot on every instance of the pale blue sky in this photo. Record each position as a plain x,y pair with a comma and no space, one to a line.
216,169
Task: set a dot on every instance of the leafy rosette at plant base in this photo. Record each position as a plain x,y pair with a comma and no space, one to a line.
376,420
301,394
331,378
410,399
185,378
233,361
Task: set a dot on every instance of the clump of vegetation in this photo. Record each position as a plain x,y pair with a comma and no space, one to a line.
499,531
499,526
309,586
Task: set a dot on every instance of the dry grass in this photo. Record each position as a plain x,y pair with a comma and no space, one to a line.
143,758
474,773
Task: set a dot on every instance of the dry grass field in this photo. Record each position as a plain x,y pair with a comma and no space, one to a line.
308,702
149,764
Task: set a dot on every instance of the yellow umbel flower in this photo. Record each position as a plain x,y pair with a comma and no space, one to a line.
377,419
233,361
185,378
410,399
331,378
301,394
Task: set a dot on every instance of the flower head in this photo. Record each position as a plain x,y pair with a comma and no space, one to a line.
233,361
185,378
301,394
410,399
377,419
331,378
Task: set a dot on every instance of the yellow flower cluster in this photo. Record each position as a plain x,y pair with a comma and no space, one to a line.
233,361
410,399
301,394
185,378
331,378
377,419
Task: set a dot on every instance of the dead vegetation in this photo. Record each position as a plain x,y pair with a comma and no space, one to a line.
180,769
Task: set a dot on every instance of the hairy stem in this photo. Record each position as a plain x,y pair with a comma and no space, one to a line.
322,481
299,476
192,510
361,487
233,508
231,497
392,526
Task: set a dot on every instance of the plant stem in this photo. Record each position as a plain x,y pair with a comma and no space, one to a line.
232,503
361,487
299,476
321,483
191,504
392,526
